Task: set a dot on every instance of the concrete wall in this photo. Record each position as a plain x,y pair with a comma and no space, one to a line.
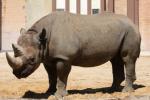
144,23
36,9
121,7
20,13
144,19
13,18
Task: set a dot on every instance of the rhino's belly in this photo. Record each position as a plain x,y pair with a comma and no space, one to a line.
91,61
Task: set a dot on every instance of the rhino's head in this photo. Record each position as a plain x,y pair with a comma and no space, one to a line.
26,54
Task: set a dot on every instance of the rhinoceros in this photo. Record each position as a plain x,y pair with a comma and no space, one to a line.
60,40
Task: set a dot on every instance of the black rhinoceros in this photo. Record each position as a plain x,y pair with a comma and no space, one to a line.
62,39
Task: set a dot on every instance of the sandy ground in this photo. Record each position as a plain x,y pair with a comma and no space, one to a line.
83,83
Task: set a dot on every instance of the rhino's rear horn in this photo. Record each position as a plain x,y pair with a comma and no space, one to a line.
17,51
15,63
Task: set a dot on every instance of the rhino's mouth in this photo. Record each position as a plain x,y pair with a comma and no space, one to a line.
23,72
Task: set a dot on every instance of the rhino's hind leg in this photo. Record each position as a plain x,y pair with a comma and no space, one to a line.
118,73
52,75
63,69
130,73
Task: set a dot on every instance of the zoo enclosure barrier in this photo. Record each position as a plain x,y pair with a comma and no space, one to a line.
105,5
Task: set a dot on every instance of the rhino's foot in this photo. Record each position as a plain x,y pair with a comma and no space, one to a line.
128,89
60,94
51,91
114,89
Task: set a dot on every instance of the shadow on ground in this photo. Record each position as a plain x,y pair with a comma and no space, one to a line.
103,90
31,94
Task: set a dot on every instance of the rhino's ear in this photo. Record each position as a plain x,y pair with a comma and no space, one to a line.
22,31
43,34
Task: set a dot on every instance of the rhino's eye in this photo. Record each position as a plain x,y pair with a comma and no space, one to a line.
32,59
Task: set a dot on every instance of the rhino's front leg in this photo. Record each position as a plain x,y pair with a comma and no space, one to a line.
63,69
52,75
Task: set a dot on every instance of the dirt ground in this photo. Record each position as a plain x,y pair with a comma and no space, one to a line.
83,83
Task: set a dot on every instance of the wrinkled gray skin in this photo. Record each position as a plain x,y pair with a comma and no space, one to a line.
79,40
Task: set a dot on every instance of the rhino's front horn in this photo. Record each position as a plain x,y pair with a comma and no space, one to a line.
15,63
17,51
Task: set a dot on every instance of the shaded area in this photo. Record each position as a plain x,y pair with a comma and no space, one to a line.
34,95
103,90
31,94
